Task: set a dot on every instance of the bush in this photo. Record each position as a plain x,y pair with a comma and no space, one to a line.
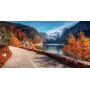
5,38
3,58
2,45
38,47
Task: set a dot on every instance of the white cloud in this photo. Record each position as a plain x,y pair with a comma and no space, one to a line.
61,28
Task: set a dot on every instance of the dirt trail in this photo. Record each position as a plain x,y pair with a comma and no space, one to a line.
22,58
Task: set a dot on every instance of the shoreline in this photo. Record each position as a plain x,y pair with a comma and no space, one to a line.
63,59
22,58
66,60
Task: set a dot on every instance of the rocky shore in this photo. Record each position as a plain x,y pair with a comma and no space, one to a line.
66,60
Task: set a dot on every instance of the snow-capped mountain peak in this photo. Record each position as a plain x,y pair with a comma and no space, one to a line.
57,32
53,35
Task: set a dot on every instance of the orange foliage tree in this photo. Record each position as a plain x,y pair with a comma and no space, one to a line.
15,41
12,28
19,34
5,54
78,48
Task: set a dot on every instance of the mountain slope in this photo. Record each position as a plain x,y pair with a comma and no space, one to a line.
43,35
77,28
81,26
30,32
25,35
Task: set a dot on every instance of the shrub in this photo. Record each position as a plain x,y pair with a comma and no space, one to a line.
2,45
5,37
5,54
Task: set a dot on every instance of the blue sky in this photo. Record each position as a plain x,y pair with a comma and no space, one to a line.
46,26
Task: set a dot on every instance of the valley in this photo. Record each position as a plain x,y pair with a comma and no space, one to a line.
15,37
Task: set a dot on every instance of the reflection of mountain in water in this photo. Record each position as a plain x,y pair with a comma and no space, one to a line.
53,48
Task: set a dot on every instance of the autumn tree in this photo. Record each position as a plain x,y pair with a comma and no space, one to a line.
12,28
15,41
78,48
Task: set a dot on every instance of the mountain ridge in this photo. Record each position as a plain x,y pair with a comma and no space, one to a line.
77,28
25,34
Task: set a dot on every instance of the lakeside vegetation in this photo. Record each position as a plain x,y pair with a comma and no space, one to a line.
5,40
78,48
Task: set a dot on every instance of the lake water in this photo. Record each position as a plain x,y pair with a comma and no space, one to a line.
53,48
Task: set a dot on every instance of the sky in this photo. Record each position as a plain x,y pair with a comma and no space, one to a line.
48,26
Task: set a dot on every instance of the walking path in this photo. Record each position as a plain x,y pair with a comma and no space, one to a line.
22,58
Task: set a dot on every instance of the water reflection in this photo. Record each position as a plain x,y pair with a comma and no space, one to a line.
53,48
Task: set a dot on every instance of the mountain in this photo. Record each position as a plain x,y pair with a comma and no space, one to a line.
53,35
80,26
50,38
75,29
24,34
43,35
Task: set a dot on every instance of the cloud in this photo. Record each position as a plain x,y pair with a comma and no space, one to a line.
61,28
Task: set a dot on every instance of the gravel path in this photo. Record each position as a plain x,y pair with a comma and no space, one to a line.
22,58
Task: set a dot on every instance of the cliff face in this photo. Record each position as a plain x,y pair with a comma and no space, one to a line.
25,34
